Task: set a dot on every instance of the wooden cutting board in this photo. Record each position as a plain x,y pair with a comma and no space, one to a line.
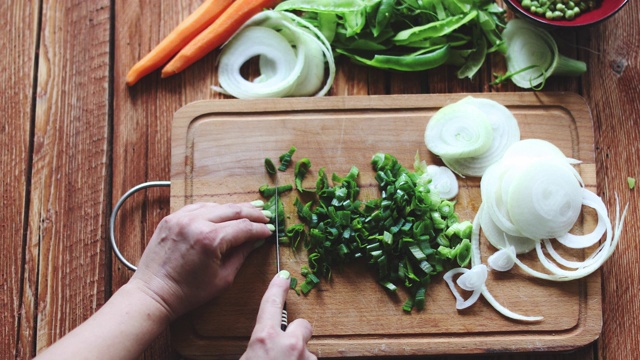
218,151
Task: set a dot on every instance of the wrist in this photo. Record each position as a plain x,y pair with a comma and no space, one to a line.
156,311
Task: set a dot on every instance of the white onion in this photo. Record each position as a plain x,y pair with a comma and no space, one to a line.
461,303
545,199
443,181
500,239
505,133
502,260
292,56
458,130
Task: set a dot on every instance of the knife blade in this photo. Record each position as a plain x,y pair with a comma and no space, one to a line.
284,321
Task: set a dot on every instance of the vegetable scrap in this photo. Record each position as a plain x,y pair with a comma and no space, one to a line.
532,56
292,56
471,134
407,235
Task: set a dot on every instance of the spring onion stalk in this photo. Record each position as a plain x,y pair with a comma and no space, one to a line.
292,56
532,56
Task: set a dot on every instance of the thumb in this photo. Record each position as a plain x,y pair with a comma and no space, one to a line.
270,313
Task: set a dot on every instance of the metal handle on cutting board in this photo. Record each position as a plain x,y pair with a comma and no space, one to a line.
112,221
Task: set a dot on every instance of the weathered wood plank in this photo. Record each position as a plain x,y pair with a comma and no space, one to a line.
142,118
64,271
19,19
611,87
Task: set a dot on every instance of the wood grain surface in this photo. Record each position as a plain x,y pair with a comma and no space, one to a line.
75,138
218,151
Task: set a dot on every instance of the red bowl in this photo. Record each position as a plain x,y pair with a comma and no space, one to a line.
607,9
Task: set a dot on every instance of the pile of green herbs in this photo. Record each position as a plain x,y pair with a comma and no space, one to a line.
408,35
407,235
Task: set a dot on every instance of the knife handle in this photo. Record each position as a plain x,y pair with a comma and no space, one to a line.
284,319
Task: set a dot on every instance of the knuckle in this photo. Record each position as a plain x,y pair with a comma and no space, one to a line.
295,346
264,336
235,209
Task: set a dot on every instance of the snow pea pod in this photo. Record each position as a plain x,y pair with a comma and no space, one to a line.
331,6
383,16
433,29
419,62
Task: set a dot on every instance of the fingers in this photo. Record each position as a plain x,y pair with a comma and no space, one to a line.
218,213
301,328
270,312
234,233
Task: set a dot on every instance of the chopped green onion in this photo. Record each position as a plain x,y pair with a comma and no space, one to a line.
268,164
285,159
632,182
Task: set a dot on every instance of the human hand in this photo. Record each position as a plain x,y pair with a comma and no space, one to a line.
196,252
268,341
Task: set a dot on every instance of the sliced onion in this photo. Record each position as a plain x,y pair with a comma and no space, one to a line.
506,132
545,199
500,239
443,181
529,46
506,312
291,58
495,199
473,279
502,260
583,241
461,303
458,130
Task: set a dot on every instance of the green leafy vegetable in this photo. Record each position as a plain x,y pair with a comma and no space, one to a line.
408,35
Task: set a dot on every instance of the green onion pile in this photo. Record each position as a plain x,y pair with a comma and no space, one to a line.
407,235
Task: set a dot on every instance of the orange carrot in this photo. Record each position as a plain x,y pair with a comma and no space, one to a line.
186,31
217,33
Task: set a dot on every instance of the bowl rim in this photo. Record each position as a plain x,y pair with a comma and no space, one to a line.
519,10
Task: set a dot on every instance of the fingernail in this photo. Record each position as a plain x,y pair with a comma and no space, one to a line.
257,203
258,244
271,227
284,274
267,213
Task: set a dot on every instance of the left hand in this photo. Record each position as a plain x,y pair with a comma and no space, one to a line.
196,252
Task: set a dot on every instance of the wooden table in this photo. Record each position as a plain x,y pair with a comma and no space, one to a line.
75,138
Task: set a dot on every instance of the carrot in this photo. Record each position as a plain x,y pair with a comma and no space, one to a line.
217,33
186,31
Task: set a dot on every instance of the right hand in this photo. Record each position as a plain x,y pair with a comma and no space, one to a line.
268,341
